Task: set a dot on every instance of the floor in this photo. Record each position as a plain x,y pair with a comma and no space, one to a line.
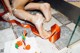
75,3
66,30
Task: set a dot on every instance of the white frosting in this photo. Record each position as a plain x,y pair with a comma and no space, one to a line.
39,45
32,42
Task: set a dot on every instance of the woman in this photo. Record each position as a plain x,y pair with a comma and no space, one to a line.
19,8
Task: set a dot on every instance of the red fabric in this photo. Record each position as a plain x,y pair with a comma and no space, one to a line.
5,10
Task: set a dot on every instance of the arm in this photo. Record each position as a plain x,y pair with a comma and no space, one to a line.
8,5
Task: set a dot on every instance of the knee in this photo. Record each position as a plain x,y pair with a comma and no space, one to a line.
47,4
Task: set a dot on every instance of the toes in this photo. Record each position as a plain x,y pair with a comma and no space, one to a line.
48,19
45,34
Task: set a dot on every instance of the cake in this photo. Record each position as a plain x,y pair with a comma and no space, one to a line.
29,45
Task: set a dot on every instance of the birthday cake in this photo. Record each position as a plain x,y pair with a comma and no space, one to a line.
25,44
30,45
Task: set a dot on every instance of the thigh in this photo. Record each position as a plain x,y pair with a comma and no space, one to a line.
32,6
37,0
19,3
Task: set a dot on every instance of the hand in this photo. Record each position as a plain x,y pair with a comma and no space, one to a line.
6,16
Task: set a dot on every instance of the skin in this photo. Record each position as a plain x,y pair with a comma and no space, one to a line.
18,8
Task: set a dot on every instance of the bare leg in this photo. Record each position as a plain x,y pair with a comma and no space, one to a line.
19,4
37,20
44,7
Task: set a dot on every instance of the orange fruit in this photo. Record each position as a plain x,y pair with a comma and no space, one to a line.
19,43
27,47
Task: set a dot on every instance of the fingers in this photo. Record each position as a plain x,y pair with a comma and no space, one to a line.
6,16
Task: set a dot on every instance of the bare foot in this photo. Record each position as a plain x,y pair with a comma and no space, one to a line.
46,9
38,21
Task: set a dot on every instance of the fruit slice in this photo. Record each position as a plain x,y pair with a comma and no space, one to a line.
19,43
27,47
